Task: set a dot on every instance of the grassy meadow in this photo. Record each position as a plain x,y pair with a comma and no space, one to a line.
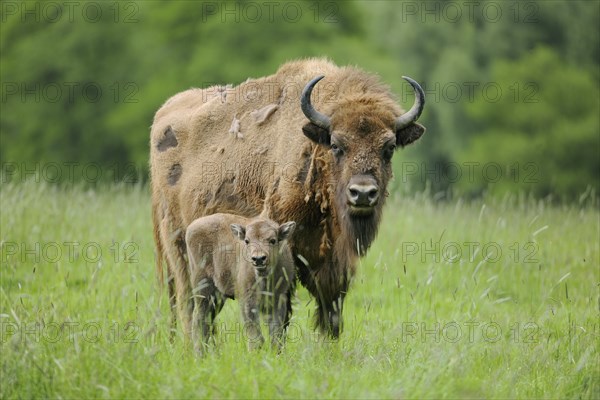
495,298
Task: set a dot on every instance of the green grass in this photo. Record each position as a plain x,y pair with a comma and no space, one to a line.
421,321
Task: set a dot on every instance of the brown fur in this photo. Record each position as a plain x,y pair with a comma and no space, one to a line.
221,172
221,248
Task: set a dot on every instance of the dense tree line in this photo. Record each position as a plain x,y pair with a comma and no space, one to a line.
512,87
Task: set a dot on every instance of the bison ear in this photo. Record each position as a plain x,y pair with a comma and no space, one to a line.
238,231
285,230
409,134
317,134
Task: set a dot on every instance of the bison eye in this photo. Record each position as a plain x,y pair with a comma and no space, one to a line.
337,151
273,241
388,152
246,241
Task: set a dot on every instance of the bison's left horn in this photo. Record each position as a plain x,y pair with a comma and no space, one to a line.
415,111
313,115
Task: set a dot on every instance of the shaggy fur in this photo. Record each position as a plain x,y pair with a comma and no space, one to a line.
217,171
223,250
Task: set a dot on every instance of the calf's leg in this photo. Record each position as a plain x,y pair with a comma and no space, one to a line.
251,316
278,319
207,304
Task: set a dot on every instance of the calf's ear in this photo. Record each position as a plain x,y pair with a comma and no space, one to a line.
238,231
317,134
285,230
409,134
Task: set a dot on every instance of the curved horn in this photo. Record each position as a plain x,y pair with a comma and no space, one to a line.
415,111
313,115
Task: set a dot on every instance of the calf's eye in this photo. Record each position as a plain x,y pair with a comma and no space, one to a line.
273,241
246,241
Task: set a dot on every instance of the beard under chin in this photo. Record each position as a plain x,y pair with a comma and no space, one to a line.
360,212
360,228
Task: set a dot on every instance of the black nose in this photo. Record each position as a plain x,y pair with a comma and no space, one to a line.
259,260
363,194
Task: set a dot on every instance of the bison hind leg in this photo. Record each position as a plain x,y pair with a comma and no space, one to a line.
173,305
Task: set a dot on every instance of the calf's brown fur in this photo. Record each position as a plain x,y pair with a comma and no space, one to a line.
233,257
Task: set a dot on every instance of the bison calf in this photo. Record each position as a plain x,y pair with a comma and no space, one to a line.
257,269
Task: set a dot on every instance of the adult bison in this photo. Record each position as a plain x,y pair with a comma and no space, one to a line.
324,161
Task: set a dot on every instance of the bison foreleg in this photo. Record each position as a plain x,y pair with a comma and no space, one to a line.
328,318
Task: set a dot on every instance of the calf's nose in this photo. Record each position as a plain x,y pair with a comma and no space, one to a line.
259,260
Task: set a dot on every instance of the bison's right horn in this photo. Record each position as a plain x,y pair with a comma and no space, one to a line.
415,111
313,115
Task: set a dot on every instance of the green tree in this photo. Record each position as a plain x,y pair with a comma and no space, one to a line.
62,75
544,132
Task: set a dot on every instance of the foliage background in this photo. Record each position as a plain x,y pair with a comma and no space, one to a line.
512,87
